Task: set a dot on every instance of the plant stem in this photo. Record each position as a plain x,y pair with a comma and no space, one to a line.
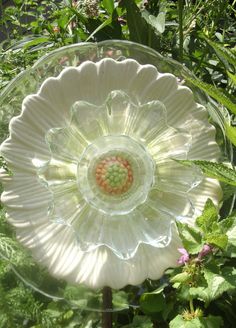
191,306
107,307
181,34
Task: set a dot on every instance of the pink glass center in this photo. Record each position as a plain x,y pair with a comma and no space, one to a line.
114,175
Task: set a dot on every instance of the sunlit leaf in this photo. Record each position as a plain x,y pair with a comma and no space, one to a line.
108,5
223,52
218,283
214,92
214,170
157,22
208,217
231,133
232,77
191,238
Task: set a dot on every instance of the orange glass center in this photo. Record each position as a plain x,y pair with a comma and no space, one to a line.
114,175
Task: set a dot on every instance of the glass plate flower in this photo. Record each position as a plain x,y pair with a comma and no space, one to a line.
96,188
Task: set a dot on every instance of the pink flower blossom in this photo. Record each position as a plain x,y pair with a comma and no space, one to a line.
205,250
184,258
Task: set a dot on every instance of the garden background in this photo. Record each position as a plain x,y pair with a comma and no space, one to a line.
201,35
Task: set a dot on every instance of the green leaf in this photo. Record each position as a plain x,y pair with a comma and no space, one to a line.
200,322
229,273
208,223
222,52
227,224
179,322
217,239
218,283
140,322
138,27
191,238
200,293
208,217
120,299
108,5
231,133
82,296
232,77
139,30
152,303
11,251
211,322
35,42
228,192
181,277
231,234
21,43
168,309
214,170
158,23
214,92
100,27
183,291
68,315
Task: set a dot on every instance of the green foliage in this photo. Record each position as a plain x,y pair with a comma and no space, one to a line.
206,276
140,30
157,22
140,322
210,227
226,55
214,170
153,302
191,238
208,218
208,230
232,78
201,292
219,281
231,133
208,322
215,93
230,227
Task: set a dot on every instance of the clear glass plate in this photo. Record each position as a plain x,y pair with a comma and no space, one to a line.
29,82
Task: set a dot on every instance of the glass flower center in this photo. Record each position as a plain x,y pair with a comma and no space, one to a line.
114,175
